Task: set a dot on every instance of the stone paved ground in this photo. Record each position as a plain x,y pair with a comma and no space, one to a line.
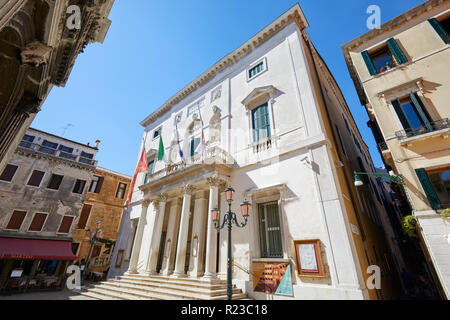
52,295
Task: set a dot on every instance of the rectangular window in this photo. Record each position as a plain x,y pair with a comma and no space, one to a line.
195,143
121,190
84,216
66,224
151,166
96,184
440,181
96,251
9,173
38,222
16,220
48,147
75,247
261,123
26,141
65,149
256,70
86,158
79,186
36,178
387,57
270,231
442,28
412,114
157,133
55,182
341,141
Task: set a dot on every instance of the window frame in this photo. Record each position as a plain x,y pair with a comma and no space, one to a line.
40,183
159,131
60,223
99,182
59,186
84,186
124,191
13,176
10,217
404,96
43,224
254,65
269,255
436,170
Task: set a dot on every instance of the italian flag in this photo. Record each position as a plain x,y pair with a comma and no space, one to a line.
161,154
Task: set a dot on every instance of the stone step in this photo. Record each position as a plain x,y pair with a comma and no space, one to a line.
164,283
101,294
178,292
198,282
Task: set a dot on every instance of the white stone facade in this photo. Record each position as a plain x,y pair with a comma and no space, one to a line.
293,169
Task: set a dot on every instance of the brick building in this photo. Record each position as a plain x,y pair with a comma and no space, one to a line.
105,200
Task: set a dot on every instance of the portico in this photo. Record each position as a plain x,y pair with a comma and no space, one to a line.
177,208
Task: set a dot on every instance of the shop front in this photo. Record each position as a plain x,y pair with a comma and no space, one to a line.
33,265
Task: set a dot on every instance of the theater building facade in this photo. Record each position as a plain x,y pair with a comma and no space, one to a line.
277,129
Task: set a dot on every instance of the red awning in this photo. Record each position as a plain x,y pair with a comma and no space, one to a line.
32,249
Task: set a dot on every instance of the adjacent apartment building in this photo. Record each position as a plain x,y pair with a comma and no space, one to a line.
104,203
402,74
42,191
270,121
39,43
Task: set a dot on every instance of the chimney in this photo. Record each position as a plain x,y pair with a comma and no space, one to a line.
97,142
88,144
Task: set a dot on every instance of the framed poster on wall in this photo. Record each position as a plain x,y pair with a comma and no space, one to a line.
309,259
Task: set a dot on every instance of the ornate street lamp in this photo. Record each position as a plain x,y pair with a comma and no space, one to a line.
94,238
228,219
392,177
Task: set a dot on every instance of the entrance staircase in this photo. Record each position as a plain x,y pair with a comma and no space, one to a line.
141,287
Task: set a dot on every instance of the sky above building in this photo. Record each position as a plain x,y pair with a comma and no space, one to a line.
155,48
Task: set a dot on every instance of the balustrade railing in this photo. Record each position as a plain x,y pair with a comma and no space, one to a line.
56,153
427,128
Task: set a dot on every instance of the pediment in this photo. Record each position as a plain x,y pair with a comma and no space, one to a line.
259,94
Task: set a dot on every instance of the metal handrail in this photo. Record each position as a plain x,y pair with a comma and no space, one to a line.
56,153
424,129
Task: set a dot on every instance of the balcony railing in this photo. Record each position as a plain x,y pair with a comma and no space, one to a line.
211,155
429,127
56,153
383,146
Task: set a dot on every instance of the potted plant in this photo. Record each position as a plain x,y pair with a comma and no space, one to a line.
409,224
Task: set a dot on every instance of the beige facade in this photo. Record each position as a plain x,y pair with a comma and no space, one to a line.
402,75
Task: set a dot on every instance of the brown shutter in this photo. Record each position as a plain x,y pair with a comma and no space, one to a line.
96,251
16,220
36,178
9,172
38,222
65,224
99,184
84,216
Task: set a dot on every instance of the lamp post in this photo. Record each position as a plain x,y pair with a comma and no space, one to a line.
228,219
93,241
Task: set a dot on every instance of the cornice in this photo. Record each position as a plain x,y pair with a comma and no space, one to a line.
53,159
295,14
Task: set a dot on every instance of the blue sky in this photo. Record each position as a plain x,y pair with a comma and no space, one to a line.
155,48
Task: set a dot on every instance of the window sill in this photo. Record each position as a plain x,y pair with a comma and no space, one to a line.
445,133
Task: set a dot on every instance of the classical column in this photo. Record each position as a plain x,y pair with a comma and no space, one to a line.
211,232
132,269
171,237
156,237
183,233
198,235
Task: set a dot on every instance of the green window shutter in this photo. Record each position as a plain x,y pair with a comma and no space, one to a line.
396,51
440,31
261,123
421,112
401,114
194,145
429,190
369,63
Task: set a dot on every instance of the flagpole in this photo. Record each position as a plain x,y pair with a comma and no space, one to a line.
203,134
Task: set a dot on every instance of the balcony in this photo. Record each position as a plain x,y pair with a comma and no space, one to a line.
25,145
431,127
212,155
383,147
